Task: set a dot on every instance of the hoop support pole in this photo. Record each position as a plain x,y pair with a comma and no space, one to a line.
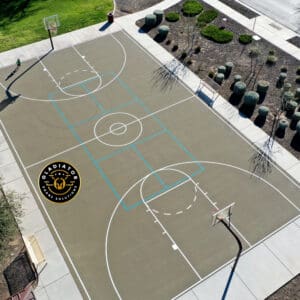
50,37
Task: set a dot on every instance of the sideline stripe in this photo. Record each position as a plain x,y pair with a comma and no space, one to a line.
47,215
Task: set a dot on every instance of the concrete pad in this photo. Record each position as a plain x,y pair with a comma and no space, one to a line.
19,186
45,239
285,244
3,144
32,222
213,287
262,272
297,222
254,134
64,288
55,268
41,294
295,172
10,172
188,296
6,158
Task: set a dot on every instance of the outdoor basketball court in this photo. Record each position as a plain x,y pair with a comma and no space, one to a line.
155,162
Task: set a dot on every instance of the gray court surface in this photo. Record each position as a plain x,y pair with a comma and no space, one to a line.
155,162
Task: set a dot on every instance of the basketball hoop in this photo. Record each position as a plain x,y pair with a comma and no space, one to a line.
222,214
51,24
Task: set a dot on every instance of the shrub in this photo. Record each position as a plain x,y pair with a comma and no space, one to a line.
191,8
254,52
263,111
183,55
287,96
175,48
296,116
283,69
290,107
201,24
298,127
251,98
237,78
272,52
207,16
228,66
239,88
262,87
283,124
216,34
159,15
297,94
221,69
286,87
219,78
150,20
297,80
282,76
197,50
163,30
172,16
298,71
211,74
271,60
245,39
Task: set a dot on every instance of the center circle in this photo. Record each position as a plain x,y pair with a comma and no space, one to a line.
118,128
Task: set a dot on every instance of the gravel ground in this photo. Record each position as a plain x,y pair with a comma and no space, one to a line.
212,55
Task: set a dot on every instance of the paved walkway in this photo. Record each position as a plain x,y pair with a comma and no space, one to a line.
263,268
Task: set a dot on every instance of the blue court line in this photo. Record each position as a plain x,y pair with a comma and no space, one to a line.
92,97
146,163
124,148
89,154
79,83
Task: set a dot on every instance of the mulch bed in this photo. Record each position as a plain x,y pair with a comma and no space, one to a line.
290,290
245,11
213,54
295,41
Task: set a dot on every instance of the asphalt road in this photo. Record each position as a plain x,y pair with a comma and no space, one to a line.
286,12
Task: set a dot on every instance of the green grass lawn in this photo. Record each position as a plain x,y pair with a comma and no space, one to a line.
21,21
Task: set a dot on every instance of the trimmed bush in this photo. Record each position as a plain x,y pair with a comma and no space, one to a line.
214,33
298,127
291,107
211,74
296,116
286,87
219,78
228,65
159,15
282,76
298,71
262,87
191,8
251,98
175,48
297,80
237,78
263,111
163,30
283,69
245,39
254,52
221,69
150,20
207,16
197,50
172,16
283,124
271,60
288,96
239,88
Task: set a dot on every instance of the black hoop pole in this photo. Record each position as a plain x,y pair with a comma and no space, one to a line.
50,37
236,259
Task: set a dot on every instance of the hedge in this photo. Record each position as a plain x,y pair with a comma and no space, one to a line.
191,8
216,34
207,16
172,16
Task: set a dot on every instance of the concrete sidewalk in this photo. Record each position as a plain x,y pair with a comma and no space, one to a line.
279,254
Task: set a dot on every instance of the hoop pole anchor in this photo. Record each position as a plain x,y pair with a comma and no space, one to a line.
50,37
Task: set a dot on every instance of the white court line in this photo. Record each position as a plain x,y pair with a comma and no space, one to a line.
79,82
108,132
47,214
196,184
213,111
165,230
231,260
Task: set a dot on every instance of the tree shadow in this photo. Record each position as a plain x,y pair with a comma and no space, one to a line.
260,121
10,99
246,110
280,132
235,99
166,76
159,38
145,28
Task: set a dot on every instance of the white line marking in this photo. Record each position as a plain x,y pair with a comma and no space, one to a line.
155,211
164,229
47,214
175,247
167,214
78,82
108,132
188,207
179,212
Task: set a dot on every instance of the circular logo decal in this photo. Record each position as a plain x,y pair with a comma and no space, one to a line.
59,182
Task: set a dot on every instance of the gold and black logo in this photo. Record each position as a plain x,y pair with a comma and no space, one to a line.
59,182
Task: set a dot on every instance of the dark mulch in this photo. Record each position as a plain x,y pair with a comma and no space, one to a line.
19,274
127,7
245,11
212,55
295,41
290,291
